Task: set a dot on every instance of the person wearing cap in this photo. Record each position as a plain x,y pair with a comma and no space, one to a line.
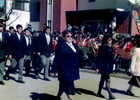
17,53
4,48
30,27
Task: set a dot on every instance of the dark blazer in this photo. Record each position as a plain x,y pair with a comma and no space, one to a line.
30,48
35,42
105,59
43,47
17,48
4,45
66,62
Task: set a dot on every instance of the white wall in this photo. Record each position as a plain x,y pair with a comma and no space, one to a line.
103,4
17,17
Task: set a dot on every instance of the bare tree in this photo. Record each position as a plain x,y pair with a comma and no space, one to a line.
9,13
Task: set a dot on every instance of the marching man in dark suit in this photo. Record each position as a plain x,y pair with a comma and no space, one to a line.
30,50
45,50
66,62
4,46
17,53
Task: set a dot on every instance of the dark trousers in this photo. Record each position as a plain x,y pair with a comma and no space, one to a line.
27,64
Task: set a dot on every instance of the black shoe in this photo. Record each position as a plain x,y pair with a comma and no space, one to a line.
27,75
36,76
6,78
20,81
46,79
110,97
100,95
130,93
2,83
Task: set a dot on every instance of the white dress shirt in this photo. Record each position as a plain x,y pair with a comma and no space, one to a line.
48,38
9,33
0,36
18,36
27,40
71,46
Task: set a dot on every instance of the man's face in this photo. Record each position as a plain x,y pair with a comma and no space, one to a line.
19,30
1,29
11,31
48,31
28,33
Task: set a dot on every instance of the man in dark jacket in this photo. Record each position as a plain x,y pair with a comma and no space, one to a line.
45,50
4,45
17,53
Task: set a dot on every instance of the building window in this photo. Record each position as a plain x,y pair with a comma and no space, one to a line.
21,5
91,0
49,23
50,1
2,6
38,7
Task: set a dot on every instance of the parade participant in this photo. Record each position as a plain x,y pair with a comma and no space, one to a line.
66,62
11,30
17,53
105,64
35,56
29,51
4,46
135,69
45,50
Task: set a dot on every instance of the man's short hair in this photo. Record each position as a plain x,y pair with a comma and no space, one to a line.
18,26
47,27
11,27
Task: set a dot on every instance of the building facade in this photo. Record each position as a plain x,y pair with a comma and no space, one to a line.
78,12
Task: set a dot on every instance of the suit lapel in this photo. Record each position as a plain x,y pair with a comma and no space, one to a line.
45,38
17,37
69,48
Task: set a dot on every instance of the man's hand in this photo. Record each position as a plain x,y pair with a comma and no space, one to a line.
24,57
6,56
97,70
10,56
52,74
51,54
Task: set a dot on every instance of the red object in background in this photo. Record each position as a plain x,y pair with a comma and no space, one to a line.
54,47
128,48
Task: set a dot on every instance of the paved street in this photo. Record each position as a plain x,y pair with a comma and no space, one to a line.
86,88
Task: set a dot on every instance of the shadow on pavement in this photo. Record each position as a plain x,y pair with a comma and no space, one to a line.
42,96
118,91
84,91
